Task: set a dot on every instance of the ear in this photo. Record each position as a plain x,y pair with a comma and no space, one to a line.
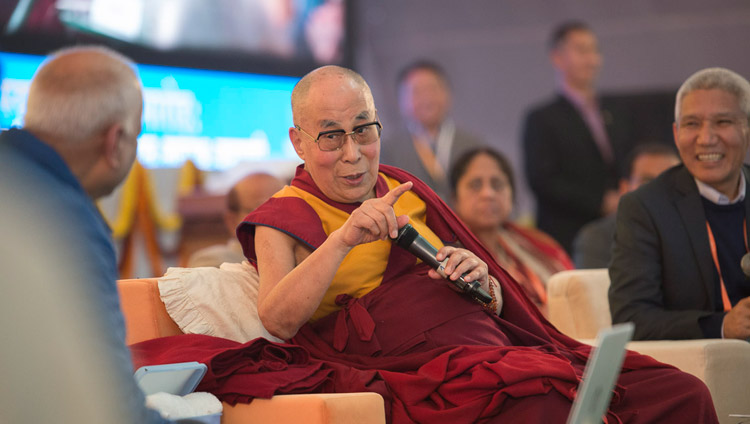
296,142
555,57
674,134
112,145
230,222
624,186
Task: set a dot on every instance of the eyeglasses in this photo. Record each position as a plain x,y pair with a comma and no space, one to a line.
329,141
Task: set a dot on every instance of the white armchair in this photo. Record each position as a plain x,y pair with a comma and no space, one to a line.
579,307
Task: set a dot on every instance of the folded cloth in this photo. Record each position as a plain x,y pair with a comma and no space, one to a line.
189,406
221,302
236,372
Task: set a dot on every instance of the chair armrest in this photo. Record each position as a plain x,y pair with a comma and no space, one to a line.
145,315
724,365
146,318
577,302
326,408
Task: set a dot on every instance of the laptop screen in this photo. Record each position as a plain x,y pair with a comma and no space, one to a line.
600,375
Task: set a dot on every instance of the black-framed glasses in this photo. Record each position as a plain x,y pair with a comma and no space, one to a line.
329,141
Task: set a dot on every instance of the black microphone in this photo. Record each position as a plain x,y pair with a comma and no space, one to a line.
410,239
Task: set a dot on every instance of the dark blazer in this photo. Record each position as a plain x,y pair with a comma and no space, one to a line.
398,151
663,275
592,247
565,168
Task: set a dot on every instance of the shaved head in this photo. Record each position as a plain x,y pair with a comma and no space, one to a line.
308,83
246,195
251,191
336,99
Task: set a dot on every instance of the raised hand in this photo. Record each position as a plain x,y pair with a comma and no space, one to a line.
737,321
374,219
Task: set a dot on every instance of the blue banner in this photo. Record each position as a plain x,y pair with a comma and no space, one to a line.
215,118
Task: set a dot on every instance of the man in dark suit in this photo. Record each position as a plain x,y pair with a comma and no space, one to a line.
431,140
575,144
680,239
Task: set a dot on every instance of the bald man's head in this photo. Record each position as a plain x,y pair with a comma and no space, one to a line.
327,74
86,103
80,91
247,194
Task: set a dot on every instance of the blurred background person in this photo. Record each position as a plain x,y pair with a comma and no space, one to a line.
483,189
592,247
246,195
573,143
431,140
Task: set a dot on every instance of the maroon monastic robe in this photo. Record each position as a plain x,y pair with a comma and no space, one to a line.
435,355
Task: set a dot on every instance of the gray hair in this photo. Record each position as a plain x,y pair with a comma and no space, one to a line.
81,90
302,88
716,79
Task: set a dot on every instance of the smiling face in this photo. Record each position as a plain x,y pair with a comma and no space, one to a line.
335,101
484,197
711,135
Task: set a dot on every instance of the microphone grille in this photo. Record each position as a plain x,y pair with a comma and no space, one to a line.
406,236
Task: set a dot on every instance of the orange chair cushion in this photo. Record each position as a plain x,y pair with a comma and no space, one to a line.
146,316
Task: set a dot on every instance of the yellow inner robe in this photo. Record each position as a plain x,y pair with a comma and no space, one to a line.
362,269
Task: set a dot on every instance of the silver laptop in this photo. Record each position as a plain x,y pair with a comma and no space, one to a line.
600,375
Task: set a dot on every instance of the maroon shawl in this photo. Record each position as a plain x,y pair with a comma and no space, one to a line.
433,354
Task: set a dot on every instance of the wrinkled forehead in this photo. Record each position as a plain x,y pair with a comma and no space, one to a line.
337,100
715,101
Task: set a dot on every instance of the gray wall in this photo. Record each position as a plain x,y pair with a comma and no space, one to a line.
495,52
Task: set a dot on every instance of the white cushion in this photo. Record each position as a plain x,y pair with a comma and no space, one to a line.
221,302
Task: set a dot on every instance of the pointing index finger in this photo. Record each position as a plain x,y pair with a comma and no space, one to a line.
392,196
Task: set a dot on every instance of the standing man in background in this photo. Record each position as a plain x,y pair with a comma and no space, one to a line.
431,140
573,145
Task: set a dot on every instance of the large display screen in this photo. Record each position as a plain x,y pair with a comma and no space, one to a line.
218,119
265,36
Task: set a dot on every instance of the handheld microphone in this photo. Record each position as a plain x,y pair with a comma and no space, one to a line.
410,239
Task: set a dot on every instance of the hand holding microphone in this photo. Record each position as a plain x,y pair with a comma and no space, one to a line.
409,239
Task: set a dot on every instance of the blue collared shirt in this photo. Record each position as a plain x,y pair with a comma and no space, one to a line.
715,196
34,170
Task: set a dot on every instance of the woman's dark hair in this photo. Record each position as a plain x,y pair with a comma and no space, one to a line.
462,163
